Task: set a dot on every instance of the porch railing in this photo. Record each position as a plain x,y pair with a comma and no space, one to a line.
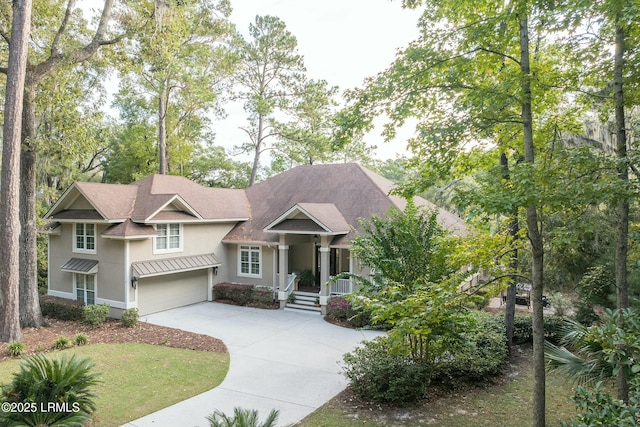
340,287
291,279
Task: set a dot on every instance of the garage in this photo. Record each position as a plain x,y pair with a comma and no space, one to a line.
173,282
160,293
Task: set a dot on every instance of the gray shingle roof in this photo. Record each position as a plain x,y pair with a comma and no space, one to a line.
355,192
146,200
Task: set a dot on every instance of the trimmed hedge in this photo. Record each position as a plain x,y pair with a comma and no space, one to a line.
240,294
262,295
61,308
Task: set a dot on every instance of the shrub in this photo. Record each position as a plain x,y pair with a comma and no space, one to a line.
61,308
242,417
596,286
80,339
341,310
262,296
560,303
15,348
61,343
585,314
233,293
478,356
96,314
129,317
523,329
42,380
379,374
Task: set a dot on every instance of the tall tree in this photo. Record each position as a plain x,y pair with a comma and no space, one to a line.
175,67
68,42
10,186
270,71
611,82
481,71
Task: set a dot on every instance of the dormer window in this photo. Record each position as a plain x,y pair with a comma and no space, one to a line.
169,238
84,238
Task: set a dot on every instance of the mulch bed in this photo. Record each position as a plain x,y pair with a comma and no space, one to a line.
38,340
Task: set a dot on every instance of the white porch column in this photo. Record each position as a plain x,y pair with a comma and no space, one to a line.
283,268
324,272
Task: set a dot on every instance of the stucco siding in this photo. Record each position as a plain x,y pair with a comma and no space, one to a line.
110,278
267,265
301,257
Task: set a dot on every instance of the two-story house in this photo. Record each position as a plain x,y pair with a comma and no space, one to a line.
164,241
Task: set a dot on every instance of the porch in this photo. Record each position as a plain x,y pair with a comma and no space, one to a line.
311,249
307,298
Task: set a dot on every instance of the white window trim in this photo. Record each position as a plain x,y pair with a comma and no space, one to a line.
240,273
75,248
95,288
169,250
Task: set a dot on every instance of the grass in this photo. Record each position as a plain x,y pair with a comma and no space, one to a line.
507,404
138,379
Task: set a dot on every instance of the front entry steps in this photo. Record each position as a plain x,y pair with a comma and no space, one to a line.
304,302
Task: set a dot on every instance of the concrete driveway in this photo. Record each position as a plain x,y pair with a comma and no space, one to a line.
279,360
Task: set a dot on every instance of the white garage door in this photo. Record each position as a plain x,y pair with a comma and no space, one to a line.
171,290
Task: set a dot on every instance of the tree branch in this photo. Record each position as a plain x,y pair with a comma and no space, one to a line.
55,50
46,67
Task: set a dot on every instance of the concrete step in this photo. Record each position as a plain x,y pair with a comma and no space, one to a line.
302,308
306,294
304,298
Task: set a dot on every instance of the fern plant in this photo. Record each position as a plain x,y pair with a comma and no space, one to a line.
68,382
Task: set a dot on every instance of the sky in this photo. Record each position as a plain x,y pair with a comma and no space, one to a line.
342,41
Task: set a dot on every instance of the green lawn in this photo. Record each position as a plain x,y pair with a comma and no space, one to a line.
506,404
138,379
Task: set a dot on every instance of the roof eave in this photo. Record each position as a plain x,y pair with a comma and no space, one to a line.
319,233
140,237
196,221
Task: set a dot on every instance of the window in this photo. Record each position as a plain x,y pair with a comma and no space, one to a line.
84,238
250,261
86,288
169,238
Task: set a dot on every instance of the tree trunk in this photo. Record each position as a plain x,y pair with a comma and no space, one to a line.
27,252
256,155
10,175
510,306
30,314
622,205
162,131
534,234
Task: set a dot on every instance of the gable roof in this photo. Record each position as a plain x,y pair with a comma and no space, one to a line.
111,202
354,191
159,191
310,218
318,199
157,198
